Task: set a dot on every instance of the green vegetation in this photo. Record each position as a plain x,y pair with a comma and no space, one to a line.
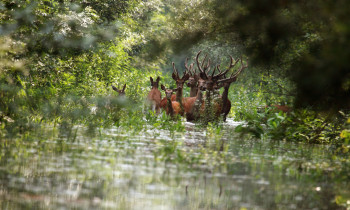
60,58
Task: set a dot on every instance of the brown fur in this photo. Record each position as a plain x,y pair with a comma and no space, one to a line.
172,108
175,108
283,108
121,92
226,107
163,102
226,103
154,96
194,107
192,83
180,81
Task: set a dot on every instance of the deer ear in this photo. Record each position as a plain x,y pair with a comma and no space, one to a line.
174,76
151,79
158,78
162,87
124,87
186,77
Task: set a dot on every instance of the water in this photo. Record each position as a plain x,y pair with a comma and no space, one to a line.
199,168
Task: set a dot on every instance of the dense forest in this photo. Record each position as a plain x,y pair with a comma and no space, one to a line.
62,61
59,59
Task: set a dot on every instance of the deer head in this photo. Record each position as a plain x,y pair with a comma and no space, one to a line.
168,92
156,83
201,84
211,79
193,79
121,92
179,81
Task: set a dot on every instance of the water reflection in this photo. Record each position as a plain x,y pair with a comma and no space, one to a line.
199,168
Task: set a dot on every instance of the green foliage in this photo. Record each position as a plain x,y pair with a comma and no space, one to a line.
60,28
50,73
59,59
299,125
345,137
300,40
108,10
254,100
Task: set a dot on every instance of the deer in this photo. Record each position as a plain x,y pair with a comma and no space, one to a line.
194,77
154,96
226,82
179,87
194,106
112,103
121,92
172,107
179,84
278,108
211,80
192,80
164,102
211,87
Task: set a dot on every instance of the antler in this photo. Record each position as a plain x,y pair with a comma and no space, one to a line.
241,68
216,67
234,75
185,75
200,67
189,68
225,72
175,70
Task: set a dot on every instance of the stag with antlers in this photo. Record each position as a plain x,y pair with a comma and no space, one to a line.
226,82
197,106
192,82
215,106
180,81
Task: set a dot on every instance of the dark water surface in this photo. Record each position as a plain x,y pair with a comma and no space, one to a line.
199,168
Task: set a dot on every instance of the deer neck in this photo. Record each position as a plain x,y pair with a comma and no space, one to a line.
208,99
199,96
225,93
170,107
179,98
179,95
208,96
224,96
208,108
194,90
195,111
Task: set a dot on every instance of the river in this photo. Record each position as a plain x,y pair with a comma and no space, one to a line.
194,168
